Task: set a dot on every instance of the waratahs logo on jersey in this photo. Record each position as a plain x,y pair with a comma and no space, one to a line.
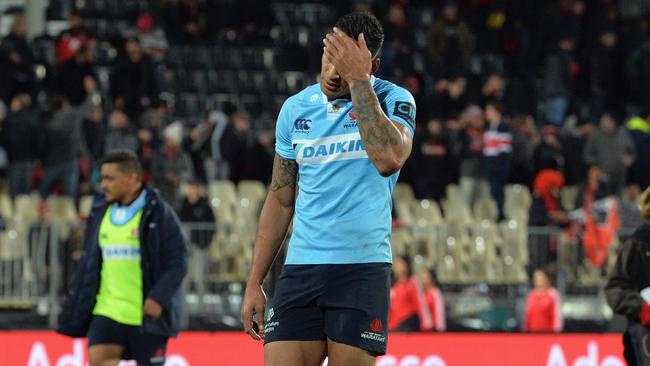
331,148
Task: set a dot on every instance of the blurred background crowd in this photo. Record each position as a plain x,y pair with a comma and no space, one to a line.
504,90
537,104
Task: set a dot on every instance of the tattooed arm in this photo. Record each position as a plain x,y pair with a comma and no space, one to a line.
275,217
274,221
387,143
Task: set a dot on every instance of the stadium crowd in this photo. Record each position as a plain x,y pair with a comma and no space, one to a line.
544,94
502,96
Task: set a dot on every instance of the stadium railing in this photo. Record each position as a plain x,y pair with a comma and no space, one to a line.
37,263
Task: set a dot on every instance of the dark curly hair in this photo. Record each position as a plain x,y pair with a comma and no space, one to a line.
363,22
126,161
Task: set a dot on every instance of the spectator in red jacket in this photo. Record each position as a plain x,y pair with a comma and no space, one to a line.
73,38
407,304
543,309
435,303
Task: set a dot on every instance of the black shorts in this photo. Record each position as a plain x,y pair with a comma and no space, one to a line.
146,349
347,303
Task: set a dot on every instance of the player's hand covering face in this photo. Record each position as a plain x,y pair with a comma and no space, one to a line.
345,60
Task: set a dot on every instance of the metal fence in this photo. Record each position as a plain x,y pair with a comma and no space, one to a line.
37,263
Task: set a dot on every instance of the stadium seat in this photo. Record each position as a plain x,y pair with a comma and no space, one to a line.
290,82
62,208
517,202
6,207
568,197
85,205
514,272
256,58
405,214
451,271
225,215
219,101
515,240
281,13
198,81
403,192
274,104
427,225
448,271
224,200
485,240
420,17
313,13
63,213
401,240
290,56
227,57
453,193
453,243
429,248
252,189
252,81
251,103
428,212
13,242
487,229
247,213
232,255
268,55
224,190
18,284
457,212
481,251
590,275
180,80
486,209
174,57
222,81
25,209
198,57
188,105
519,193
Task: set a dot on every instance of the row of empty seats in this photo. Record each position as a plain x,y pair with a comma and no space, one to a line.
61,209
237,209
237,82
413,212
219,57
465,245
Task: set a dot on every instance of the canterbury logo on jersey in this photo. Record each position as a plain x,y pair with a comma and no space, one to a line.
301,125
331,148
115,252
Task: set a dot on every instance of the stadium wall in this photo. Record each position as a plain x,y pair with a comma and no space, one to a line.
43,348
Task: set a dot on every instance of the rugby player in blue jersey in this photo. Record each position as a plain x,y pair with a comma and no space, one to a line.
346,138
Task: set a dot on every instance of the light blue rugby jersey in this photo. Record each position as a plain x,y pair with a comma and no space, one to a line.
343,208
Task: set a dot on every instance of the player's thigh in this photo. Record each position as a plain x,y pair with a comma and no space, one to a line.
106,340
356,306
341,354
295,353
294,314
105,354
